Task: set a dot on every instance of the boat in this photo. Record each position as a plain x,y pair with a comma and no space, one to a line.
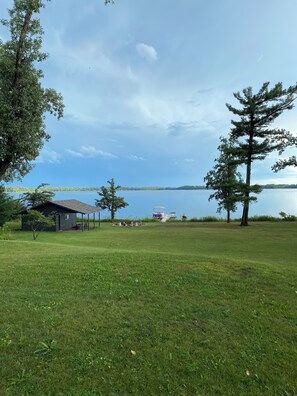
173,215
158,212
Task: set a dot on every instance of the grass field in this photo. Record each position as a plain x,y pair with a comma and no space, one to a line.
163,309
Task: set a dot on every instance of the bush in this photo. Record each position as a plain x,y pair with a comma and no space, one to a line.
206,219
5,233
264,218
287,217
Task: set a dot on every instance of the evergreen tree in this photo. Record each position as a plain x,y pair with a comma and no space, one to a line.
38,196
225,180
8,207
252,133
283,163
109,199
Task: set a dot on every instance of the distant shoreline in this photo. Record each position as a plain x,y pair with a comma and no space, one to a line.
19,189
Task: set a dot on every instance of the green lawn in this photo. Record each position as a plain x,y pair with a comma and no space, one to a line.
206,308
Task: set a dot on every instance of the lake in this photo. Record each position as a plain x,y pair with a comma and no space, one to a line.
192,202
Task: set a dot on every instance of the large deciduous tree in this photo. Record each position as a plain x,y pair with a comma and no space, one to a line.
253,133
110,200
23,100
225,180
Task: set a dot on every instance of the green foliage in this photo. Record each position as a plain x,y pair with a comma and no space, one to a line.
252,133
23,101
9,207
264,218
282,164
37,196
5,233
225,179
38,221
110,200
46,348
287,217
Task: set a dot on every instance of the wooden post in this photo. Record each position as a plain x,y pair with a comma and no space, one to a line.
83,223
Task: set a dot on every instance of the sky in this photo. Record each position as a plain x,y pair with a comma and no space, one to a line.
145,86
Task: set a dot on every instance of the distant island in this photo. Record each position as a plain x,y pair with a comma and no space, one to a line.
19,189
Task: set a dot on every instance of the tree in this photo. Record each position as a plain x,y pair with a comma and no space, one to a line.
38,221
9,207
225,180
109,199
282,164
252,133
23,101
38,196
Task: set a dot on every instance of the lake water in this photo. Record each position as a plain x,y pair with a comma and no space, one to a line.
192,202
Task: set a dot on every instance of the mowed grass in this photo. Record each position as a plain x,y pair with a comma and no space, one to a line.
163,309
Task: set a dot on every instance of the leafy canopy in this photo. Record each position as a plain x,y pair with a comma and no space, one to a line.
38,221
23,100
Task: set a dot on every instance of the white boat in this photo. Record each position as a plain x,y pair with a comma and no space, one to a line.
158,212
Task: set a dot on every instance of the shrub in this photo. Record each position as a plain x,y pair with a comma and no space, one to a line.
287,217
264,218
5,233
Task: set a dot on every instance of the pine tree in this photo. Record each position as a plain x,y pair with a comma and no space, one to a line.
39,196
225,180
109,199
283,163
8,207
252,133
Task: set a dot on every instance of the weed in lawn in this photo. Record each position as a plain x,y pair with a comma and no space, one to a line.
46,347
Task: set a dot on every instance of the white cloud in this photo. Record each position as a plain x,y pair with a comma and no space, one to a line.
48,156
189,160
74,153
89,152
147,52
135,158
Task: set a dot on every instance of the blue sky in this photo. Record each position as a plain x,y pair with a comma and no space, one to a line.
145,85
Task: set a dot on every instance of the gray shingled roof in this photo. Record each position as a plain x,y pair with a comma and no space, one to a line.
76,206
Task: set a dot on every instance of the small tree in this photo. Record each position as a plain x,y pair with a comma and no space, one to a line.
109,199
225,180
38,196
255,140
38,221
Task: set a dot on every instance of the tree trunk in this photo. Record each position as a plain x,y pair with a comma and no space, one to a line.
4,165
246,203
228,216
